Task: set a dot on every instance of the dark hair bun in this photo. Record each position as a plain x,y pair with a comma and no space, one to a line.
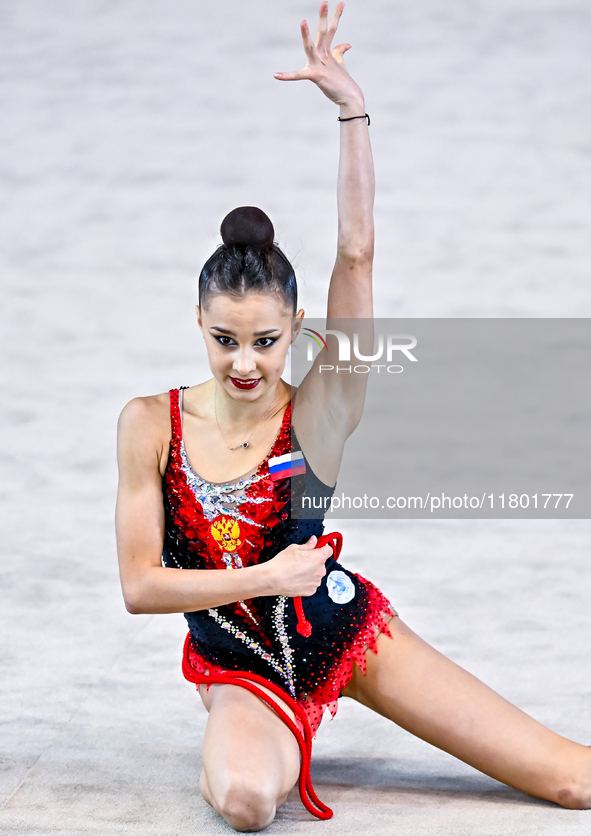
247,226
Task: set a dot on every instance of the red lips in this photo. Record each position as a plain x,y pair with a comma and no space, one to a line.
245,384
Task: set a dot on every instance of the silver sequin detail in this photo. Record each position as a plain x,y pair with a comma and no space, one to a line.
248,612
284,670
215,499
281,633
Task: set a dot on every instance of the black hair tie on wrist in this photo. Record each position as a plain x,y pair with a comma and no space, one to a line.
348,119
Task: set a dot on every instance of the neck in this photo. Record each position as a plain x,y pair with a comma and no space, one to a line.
231,412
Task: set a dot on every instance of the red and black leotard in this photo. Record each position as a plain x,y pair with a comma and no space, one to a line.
303,649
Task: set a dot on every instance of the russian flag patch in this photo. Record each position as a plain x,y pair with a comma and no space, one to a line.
290,464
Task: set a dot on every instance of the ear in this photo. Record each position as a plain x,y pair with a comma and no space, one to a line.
199,323
297,325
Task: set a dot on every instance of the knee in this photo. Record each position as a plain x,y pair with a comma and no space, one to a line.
575,793
246,805
576,796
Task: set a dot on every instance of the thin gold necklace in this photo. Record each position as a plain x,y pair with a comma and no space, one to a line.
243,443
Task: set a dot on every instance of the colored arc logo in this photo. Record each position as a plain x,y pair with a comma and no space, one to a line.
317,341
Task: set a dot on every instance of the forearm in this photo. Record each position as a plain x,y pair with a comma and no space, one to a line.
355,185
161,589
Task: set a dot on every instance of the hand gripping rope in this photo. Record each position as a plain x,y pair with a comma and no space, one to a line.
303,626
247,680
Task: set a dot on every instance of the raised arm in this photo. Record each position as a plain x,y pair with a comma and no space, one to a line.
328,406
349,293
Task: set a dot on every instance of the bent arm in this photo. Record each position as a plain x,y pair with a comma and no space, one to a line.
149,587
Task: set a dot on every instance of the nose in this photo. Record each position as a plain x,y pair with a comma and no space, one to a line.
245,362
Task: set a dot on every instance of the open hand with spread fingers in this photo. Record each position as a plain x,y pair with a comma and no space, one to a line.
326,65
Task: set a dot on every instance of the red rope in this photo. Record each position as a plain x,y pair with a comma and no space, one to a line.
307,794
303,626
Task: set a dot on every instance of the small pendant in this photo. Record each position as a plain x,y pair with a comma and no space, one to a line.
244,444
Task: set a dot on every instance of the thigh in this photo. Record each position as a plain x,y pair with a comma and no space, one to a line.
246,746
424,692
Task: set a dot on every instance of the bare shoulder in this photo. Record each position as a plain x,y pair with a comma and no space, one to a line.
146,414
144,433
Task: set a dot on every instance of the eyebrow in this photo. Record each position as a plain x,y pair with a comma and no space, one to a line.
232,334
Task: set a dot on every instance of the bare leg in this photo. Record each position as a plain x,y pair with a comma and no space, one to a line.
251,760
419,689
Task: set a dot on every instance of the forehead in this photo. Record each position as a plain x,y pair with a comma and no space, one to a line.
252,311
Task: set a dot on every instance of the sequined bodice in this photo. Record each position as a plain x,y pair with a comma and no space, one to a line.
218,498
210,525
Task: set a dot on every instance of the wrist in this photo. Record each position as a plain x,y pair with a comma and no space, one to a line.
266,578
355,107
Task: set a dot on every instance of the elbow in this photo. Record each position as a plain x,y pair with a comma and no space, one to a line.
132,608
133,600
140,592
353,256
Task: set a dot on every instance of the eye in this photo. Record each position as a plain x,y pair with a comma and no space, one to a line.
268,342
221,340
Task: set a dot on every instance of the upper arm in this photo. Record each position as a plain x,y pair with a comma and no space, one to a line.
140,510
350,312
329,403
350,288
